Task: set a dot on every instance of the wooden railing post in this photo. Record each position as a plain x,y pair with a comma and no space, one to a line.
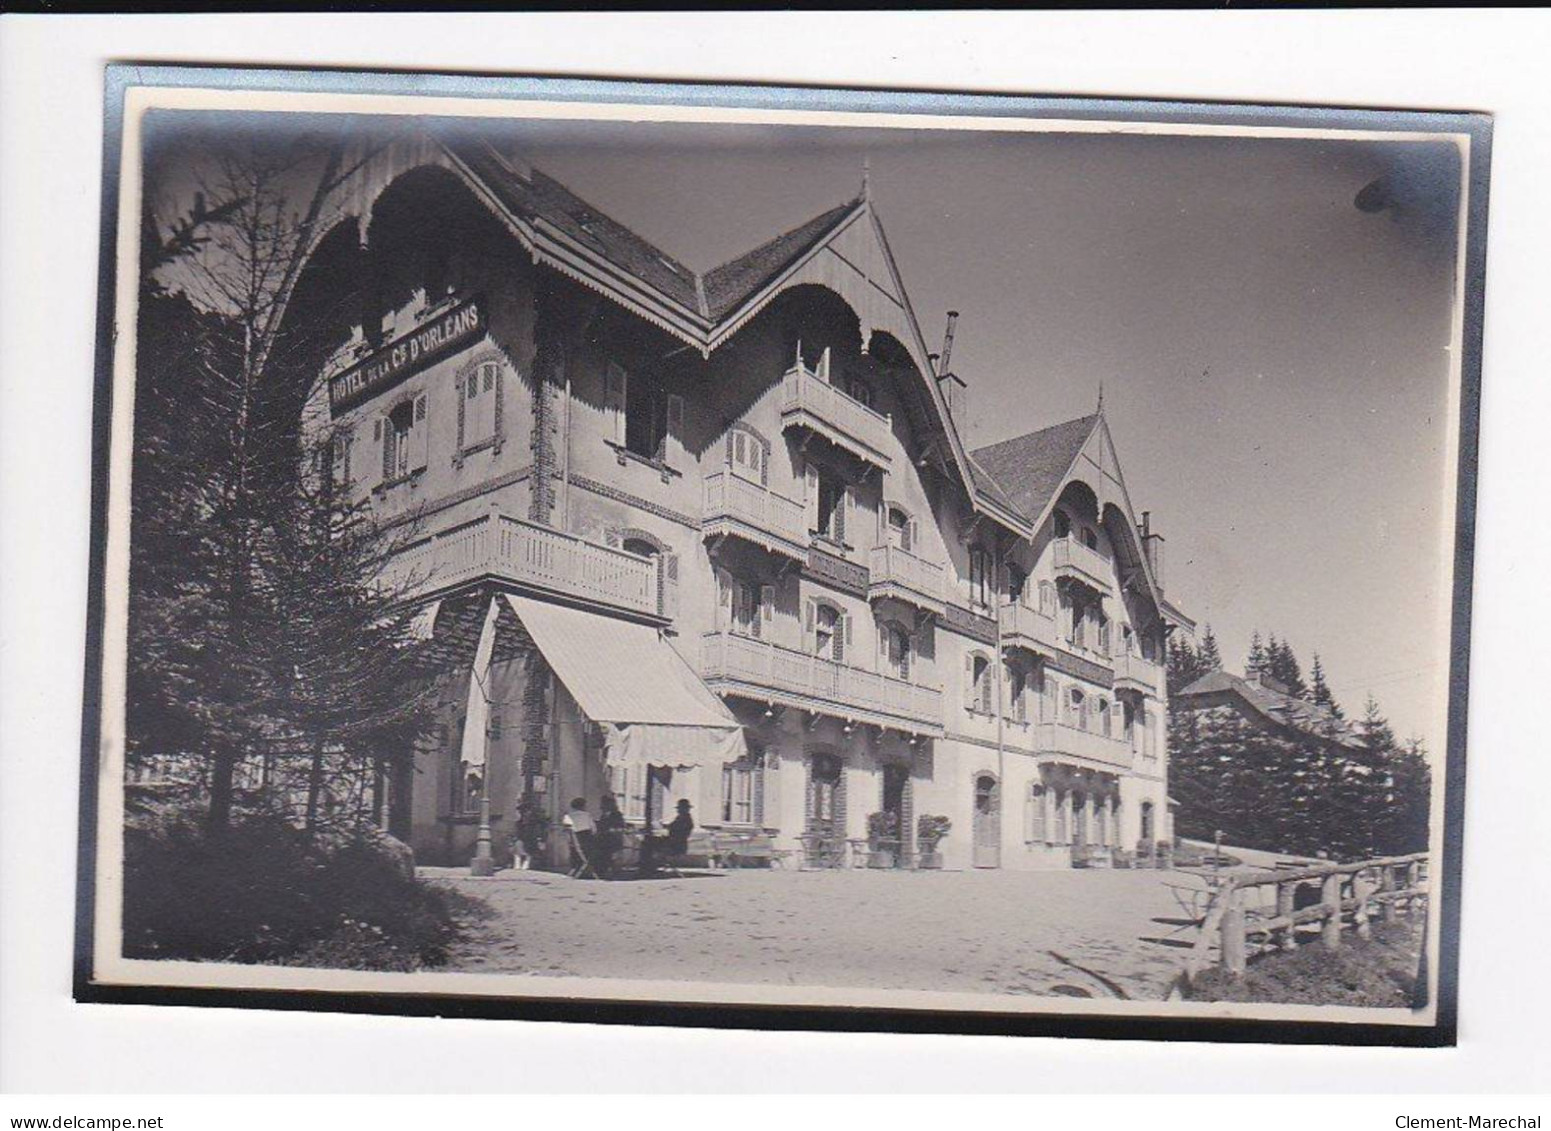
1234,958
1286,897
1330,899
1386,885
1362,891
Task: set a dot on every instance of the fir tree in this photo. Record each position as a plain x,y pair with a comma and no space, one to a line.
1211,658
1282,666
1319,690
1256,660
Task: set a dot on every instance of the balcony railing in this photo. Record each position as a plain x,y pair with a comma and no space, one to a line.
511,549
1129,667
1058,738
1072,557
899,573
810,401
816,683
1026,627
740,507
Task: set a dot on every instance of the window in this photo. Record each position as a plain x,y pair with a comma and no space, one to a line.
741,790
1147,822
979,579
480,391
1102,709
1063,525
1128,720
860,391
1079,819
979,695
643,412
751,607
746,455
1076,709
1035,825
899,531
829,631
831,508
896,650
1088,538
826,802
1017,682
471,785
1062,809
1047,598
403,433
1100,824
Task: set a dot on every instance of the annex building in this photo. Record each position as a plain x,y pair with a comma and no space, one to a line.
724,524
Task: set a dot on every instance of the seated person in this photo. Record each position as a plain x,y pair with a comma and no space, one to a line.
581,826
609,836
675,842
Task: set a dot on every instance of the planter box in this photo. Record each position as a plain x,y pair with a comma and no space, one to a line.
929,861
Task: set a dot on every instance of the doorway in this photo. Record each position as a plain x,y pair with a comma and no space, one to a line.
987,824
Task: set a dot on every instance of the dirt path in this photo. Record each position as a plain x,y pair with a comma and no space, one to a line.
1081,933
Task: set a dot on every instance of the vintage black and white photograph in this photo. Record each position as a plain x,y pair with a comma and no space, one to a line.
675,553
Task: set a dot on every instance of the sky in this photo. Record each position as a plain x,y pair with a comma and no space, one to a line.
1274,358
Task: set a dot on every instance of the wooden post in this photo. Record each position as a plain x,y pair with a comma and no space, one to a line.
1233,956
1386,885
1362,890
1285,898
1330,928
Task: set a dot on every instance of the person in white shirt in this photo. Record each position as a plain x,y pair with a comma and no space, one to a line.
580,822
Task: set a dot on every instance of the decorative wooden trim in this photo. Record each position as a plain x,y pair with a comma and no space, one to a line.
1074,665
836,571
435,506
971,624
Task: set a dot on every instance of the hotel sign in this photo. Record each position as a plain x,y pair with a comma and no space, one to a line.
406,356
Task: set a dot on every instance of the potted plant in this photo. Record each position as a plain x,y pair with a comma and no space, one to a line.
930,831
882,839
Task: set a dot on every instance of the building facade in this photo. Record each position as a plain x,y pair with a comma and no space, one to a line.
590,452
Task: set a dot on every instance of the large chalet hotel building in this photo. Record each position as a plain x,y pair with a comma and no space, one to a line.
717,536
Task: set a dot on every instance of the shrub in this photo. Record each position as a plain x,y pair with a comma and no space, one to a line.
264,892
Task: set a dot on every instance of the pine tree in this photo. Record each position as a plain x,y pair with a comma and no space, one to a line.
1319,690
1283,667
1256,660
1211,658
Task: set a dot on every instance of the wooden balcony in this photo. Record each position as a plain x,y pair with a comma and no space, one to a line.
1028,628
1084,746
810,402
1136,671
900,574
743,665
527,556
736,507
1072,559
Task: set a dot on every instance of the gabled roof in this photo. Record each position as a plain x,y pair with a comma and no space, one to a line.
1275,708
534,195
1030,469
733,283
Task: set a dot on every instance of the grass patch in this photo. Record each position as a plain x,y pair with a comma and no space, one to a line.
265,893
1374,973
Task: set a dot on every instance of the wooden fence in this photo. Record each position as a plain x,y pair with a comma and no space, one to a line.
1260,912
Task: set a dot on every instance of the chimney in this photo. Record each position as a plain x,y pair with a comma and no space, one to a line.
954,392
1152,548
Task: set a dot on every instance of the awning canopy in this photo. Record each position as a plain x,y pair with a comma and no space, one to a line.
653,707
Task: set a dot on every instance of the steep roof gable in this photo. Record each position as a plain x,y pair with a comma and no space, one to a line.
733,283
1031,469
1272,707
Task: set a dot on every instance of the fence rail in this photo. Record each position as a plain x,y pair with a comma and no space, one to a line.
1258,912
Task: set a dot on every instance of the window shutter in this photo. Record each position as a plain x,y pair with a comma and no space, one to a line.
842,513
341,469
731,442
823,367
969,681
419,437
384,428
767,603
669,564
616,382
810,476
912,535
724,597
842,631
904,658
809,612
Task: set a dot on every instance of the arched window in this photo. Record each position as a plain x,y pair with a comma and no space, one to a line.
896,649
1102,710
747,454
1017,684
1063,524
1035,825
901,532
827,630
1077,709
978,693
1089,538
